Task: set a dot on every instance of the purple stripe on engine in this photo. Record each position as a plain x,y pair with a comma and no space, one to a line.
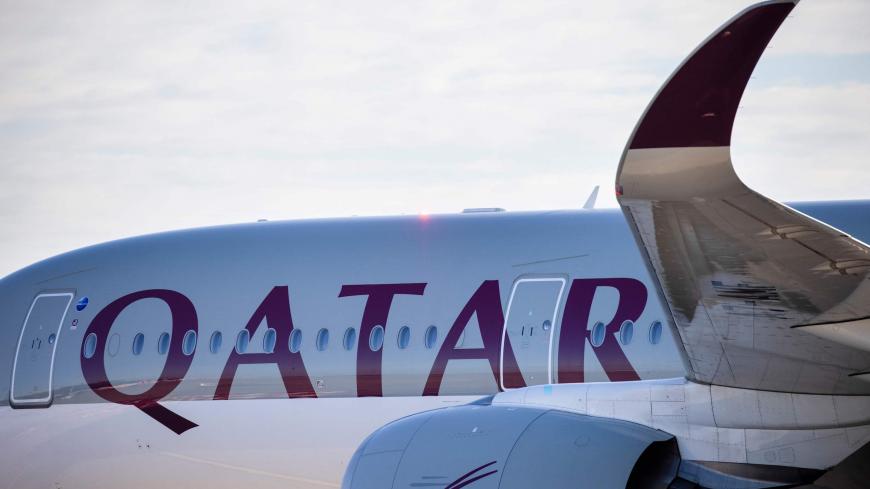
696,107
474,479
462,482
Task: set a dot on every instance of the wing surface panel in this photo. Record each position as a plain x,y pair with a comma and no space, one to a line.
754,286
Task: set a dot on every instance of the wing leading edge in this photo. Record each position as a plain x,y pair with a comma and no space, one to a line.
762,296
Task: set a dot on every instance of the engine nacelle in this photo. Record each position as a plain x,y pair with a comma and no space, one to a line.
512,447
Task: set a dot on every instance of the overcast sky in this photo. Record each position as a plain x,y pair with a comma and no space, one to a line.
119,119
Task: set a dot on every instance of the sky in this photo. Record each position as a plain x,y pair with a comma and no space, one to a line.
120,119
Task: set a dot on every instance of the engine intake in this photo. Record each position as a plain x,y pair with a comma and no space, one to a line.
485,446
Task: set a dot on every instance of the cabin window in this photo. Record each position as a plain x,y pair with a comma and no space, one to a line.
138,343
349,339
404,337
269,340
431,337
376,338
214,344
163,343
598,333
242,341
322,339
655,332
114,344
295,341
546,325
51,338
188,343
626,332
90,346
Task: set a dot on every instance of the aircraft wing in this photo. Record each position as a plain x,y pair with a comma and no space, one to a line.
762,296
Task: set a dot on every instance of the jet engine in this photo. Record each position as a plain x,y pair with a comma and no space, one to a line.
493,446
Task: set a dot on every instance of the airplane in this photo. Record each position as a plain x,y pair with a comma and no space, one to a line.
701,335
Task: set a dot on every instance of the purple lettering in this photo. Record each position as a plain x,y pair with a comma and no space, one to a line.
176,366
275,309
486,303
575,332
380,298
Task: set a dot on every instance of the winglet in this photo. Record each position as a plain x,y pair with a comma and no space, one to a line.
697,105
739,271
590,202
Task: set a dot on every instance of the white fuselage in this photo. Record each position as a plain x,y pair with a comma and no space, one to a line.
346,325
453,281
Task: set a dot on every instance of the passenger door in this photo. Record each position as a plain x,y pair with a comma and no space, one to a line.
530,320
34,357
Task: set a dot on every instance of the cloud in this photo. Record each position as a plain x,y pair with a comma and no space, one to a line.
124,118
